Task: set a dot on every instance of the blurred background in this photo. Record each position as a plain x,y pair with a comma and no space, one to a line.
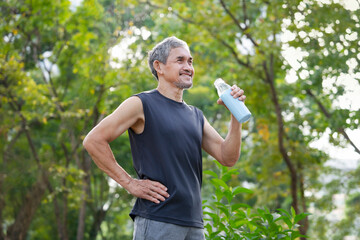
65,65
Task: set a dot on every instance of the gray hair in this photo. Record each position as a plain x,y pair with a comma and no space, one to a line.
162,50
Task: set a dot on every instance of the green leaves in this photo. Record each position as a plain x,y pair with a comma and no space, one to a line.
229,220
74,44
238,190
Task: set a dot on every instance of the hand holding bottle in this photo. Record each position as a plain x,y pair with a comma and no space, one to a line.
235,105
236,92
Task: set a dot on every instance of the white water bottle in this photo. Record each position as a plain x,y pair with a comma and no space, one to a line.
235,106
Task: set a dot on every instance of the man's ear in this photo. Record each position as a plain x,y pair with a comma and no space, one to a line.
157,66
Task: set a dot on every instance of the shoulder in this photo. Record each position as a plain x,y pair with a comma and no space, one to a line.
132,106
137,99
133,101
196,110
144,98
146,94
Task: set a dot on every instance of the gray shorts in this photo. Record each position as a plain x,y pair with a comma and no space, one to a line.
146,229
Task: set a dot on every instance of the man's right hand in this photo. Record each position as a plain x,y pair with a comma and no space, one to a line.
147,189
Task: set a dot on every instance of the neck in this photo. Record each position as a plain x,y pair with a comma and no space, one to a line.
170,91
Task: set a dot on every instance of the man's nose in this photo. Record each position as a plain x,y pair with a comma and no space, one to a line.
188,66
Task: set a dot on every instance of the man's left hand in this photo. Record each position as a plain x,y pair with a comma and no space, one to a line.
236,93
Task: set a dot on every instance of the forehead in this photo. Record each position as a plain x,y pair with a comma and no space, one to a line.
179,52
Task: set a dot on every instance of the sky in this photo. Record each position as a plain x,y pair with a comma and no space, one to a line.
75,4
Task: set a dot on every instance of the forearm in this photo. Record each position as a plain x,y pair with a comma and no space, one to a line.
103,157
231,147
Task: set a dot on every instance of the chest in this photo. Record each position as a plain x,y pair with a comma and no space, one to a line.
179,124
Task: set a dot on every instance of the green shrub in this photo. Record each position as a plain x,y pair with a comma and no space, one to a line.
225,219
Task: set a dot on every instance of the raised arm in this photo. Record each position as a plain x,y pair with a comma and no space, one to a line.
225,151
128,115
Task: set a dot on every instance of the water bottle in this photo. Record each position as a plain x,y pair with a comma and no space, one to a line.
236,107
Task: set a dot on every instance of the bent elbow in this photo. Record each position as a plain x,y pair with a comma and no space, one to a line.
86,143
230,162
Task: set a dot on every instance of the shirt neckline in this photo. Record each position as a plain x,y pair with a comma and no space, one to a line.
169,99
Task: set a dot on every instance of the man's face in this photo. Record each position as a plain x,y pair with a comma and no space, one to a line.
178,68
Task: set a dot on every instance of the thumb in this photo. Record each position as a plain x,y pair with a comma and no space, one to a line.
220,101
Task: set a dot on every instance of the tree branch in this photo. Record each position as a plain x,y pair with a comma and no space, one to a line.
185,19
245,12
328,116
233,52
49,84
342,131
147,2
223,42
235,20
320,105
237,23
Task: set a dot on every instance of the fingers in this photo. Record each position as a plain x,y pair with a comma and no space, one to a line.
149,190
158,191
238,93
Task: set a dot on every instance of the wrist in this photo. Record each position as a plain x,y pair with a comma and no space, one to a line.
124,180
127,183
234,122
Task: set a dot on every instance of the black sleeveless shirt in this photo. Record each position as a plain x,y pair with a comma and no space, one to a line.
169,151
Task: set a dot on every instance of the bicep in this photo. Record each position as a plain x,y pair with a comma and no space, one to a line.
212,141
125,116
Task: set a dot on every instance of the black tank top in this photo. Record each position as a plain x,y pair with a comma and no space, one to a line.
169,151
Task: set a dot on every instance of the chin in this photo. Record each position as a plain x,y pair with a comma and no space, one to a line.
188,87
183,85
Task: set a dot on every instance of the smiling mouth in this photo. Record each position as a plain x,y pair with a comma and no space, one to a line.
186,74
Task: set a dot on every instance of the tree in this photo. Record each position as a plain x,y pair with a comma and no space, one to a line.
55,81
330,59
59,76
249,35
259,25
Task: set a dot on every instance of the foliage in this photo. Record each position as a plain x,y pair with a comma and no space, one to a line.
59,77
55,86
226,219
328,61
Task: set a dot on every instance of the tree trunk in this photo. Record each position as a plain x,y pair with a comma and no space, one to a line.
59,217
6,157
305,222
2,205
99,218
86,163
280,122
18,230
